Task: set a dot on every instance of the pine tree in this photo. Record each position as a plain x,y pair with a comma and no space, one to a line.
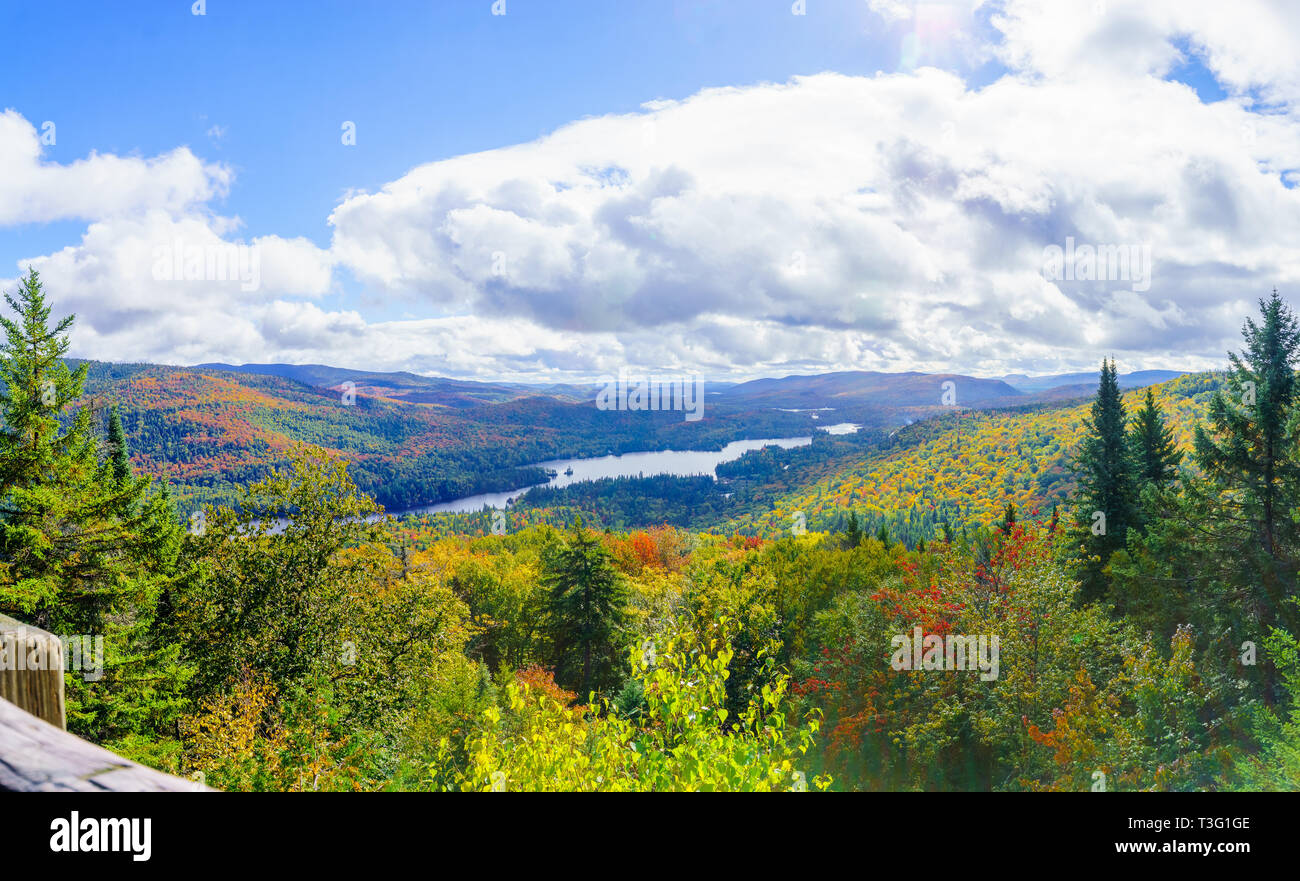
118,453
68,554
1249,461
1106,494
1155,455
1008,518
853,535
80,553
588,599
882,535
1223,554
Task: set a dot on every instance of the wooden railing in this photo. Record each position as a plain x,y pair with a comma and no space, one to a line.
31,670
36,753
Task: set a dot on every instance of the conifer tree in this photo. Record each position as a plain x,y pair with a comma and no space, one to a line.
81,553
588,599
1223,554
118,453
1248,457
69,555
1155,455
853,534
1106,495
1008,518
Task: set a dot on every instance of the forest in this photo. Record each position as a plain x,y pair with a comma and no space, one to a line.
1135,557
209,432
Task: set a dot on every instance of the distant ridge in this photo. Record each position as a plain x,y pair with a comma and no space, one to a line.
402,385
857,387
833,391
1136,379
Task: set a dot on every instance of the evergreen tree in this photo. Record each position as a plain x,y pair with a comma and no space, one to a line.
1008,518
882,535
1155,455
1223,554
1248,458
119,456
69,557
1106,494
81,553
853,535
588,599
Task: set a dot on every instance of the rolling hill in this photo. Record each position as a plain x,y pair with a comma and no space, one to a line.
973,462
416,440
1137,379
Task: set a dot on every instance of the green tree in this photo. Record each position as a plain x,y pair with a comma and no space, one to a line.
1248,457
853,533
588,599
275,588
1242,505
82,554
1008,518
1155,455
1223,554
1105,499
117,448
75,548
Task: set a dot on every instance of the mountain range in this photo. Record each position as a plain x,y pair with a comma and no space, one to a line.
414,440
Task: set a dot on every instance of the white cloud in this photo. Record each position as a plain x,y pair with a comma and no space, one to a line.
33,190
831,222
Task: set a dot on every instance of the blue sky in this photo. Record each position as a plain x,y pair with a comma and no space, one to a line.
423,80
243,105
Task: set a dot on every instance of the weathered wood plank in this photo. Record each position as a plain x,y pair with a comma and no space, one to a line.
31,670
35,756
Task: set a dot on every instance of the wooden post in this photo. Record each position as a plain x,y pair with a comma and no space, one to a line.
31,671
37,757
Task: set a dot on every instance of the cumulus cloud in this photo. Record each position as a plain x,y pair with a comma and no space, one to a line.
905,214
35,191
891,222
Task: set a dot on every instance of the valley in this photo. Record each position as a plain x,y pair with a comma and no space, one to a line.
883,444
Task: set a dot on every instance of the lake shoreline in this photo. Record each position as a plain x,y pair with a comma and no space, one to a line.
645,463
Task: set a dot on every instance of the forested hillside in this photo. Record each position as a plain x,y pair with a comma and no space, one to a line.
1142,638
973,463
417,441
208,432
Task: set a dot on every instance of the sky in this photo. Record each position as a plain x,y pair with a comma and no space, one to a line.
548,190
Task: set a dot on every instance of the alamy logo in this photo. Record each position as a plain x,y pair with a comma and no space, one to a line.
930,651
87,834
23,650
177,261
685,393
1112,262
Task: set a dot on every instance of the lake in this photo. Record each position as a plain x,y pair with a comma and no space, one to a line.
682,463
